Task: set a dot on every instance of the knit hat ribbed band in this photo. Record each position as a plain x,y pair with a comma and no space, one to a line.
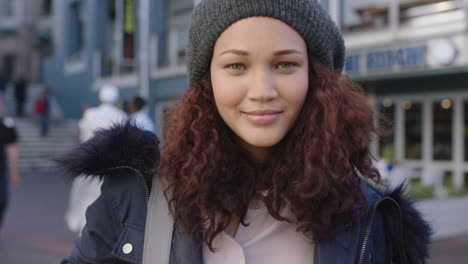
212,17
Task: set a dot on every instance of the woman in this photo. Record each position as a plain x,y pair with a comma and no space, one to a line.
266,156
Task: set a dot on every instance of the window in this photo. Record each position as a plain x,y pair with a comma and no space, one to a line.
386,143
424,13
46,7
442,129
177,36
361,15
109,45
413,130
6,8
119,50
465,130
76,30
129,30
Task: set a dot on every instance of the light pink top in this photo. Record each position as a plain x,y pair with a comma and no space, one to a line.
264,241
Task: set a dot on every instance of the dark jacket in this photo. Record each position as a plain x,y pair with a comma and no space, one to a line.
123,155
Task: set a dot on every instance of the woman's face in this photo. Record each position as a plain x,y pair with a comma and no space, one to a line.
259,74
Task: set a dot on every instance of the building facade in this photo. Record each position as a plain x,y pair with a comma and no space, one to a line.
412,58
136,45
24,27
410,55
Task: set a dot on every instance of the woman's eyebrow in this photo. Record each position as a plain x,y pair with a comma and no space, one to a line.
286,52
245,53
235,51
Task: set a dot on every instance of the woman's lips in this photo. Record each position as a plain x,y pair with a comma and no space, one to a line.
262,117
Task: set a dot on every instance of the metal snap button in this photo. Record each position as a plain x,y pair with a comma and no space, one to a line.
127,248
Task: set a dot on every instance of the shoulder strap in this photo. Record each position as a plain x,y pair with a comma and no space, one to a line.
159,227
394,229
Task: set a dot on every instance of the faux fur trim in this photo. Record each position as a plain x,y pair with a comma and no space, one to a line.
416,231
121,145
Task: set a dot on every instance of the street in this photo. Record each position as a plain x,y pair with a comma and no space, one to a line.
450,251
35,231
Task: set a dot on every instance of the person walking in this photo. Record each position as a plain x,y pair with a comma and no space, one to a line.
84,189
8,155
265,159
102,116
42,109
3,84
139,116
20,95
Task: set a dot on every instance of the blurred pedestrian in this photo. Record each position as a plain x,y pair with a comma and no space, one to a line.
3,84
42,109
84,189
102,116
8,152
21,85
139,116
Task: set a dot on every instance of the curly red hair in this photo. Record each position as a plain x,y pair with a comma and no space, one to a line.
313,171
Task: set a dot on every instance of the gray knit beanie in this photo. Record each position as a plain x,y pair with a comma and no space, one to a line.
212,17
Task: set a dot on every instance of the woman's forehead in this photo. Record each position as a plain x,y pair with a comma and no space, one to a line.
257,34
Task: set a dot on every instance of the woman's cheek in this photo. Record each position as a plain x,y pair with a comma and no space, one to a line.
229,92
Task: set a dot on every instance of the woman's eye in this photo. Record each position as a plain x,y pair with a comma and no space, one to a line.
286,65
236,66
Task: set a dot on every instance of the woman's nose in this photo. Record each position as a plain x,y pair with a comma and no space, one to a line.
262,87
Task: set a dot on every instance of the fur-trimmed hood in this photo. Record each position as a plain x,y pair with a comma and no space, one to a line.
121,145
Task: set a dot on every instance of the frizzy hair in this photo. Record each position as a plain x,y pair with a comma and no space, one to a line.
313,171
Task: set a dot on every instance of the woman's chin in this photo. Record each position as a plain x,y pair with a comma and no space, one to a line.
262,142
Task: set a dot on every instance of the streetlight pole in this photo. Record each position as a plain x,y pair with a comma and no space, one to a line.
465,7
334,11
394,17
144,13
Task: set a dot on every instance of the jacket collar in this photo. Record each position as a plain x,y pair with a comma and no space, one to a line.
344,244
341,247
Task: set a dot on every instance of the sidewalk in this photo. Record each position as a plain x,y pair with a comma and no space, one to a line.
452,250
448,217
35,231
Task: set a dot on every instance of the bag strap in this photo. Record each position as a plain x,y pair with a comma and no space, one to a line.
159,227
395,236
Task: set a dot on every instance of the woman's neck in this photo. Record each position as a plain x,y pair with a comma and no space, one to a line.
259,155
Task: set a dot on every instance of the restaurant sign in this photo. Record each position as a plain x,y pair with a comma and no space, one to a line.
386,60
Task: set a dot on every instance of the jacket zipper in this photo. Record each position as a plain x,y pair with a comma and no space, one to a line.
369,227
366,238
147,192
